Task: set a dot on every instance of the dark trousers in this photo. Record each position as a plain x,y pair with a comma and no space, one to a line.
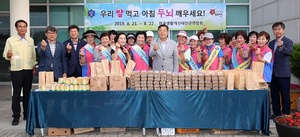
21,79
280,88
75,74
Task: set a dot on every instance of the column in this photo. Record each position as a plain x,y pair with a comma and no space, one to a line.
19,9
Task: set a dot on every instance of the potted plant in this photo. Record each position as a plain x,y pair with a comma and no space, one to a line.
288,125
295,59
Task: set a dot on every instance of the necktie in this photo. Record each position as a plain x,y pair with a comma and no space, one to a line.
275,46
75,45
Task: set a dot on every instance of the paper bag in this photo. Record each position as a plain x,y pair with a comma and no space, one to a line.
115,68
263,84
230,80
42,79
105,66
258,68
251,81
117,83
49,79
129,68
99,69
93,69
98,84
239,80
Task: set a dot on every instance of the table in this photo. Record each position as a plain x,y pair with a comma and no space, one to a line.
235,109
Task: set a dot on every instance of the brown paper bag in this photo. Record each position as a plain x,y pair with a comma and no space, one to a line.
239,80
263,85
230,80
105,66
117,83
115,68
129,68
99,69
258,68
93,69
251,81
49,79
98,84
42,79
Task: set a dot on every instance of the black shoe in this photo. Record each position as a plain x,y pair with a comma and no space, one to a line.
273,116
15,121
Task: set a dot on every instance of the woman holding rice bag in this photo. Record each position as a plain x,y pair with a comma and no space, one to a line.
89,52
241,58
264,54
121,53
195,61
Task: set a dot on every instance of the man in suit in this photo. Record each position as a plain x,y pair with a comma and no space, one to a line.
73,46
164,51
52,54
282,48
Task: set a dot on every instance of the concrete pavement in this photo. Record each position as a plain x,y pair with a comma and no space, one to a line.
7,130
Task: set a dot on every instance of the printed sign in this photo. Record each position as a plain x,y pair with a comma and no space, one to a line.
103,17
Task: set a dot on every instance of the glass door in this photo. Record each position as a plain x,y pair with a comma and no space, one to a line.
4,34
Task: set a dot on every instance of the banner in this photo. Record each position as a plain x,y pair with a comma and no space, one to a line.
192,16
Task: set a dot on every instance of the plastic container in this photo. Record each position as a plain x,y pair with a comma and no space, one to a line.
187,130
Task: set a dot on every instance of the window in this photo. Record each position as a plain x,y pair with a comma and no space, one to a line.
38,15
4,34
66,15
38,1
66,1
98,1
237,15
4,6
127,1
155,1
232,31
181,1
237,1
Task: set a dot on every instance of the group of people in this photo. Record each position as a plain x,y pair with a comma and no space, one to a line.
72,57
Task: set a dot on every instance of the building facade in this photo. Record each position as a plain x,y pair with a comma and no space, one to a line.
62,13
265,12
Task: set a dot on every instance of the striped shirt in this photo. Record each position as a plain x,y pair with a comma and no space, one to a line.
52,48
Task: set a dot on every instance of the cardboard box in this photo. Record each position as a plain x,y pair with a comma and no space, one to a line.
82,130
294,96
226,132
112,129
59,131
298,104
187,130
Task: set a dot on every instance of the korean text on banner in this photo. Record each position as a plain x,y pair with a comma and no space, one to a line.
179,16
